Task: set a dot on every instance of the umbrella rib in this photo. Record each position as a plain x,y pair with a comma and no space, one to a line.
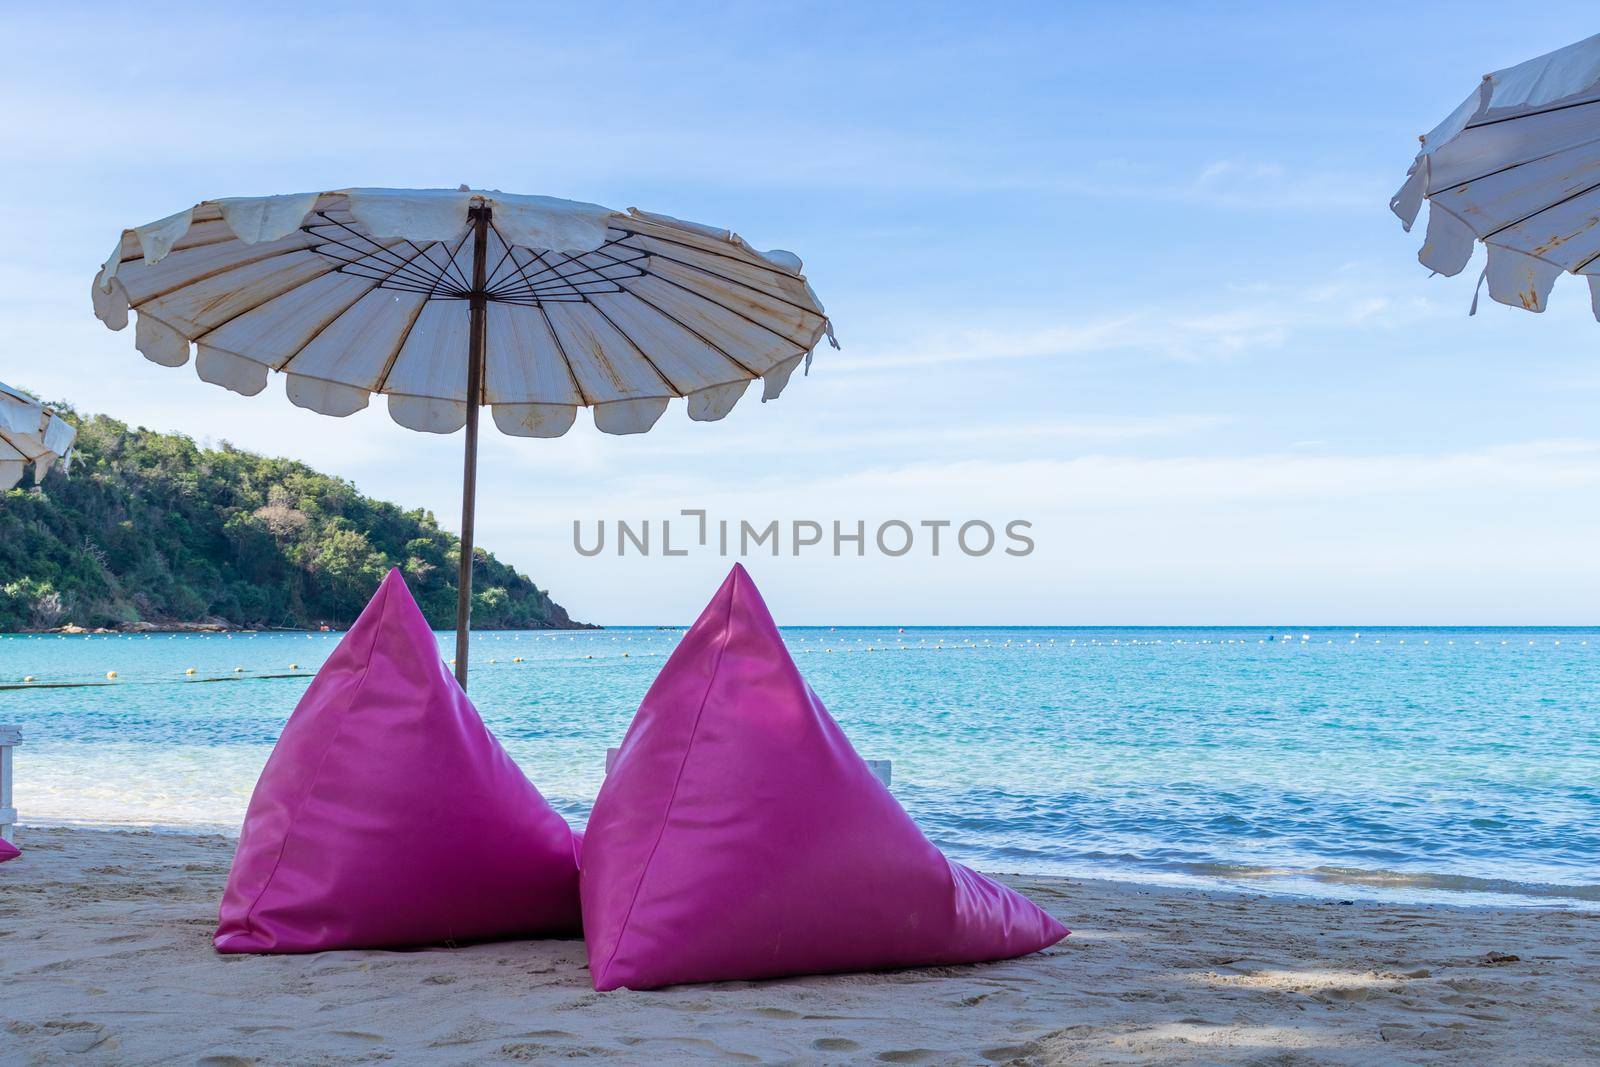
708,251
320,330
531,300
451,264
723,352
560,285
566,361
176,248
659,310
501,261
402,287
394,357
729,310
566,279
425,280
169,290
393,279
564,288
421,252
1513,166
378,251
522,269
1548,207
717,303
734,281
538,257
214,327
1529,114
668,382
415,282
461,275
19,443
556,267
403,266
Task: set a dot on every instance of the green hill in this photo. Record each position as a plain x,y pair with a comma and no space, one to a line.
151,530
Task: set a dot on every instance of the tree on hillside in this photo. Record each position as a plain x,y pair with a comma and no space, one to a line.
152,528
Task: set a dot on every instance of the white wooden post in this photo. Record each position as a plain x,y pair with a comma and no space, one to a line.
881,768
10,737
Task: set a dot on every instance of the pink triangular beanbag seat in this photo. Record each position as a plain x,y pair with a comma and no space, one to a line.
740,836
388,815
8,851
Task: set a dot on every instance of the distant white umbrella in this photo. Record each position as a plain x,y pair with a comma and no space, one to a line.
447,300
30,433
1516,166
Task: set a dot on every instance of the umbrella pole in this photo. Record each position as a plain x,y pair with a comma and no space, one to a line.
469,474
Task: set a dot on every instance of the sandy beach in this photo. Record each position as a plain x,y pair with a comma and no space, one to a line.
105,957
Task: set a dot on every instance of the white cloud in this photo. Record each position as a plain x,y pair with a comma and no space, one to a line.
1257,185
1496,534
1236,321
982,439
1103,480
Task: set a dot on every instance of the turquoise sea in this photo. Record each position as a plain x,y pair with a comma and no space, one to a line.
1428,764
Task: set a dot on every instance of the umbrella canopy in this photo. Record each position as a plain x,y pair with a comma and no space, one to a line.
1516,166
30,433
448,300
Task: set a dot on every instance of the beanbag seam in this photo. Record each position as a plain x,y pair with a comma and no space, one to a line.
666,815
311,787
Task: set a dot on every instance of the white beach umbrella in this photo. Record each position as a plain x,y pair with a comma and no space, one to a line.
30,433
447,300
1516,166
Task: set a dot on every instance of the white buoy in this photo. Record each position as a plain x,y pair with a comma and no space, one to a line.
111,674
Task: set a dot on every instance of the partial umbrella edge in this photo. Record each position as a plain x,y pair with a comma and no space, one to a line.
31,432
1564,78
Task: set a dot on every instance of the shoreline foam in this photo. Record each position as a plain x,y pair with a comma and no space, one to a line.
1310,884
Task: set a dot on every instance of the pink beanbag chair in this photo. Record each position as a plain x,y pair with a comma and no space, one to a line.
739,835
389,816
8,851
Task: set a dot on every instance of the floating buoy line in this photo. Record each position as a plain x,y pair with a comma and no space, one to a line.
830,642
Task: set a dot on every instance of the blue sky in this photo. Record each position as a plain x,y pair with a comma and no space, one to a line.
1124,271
